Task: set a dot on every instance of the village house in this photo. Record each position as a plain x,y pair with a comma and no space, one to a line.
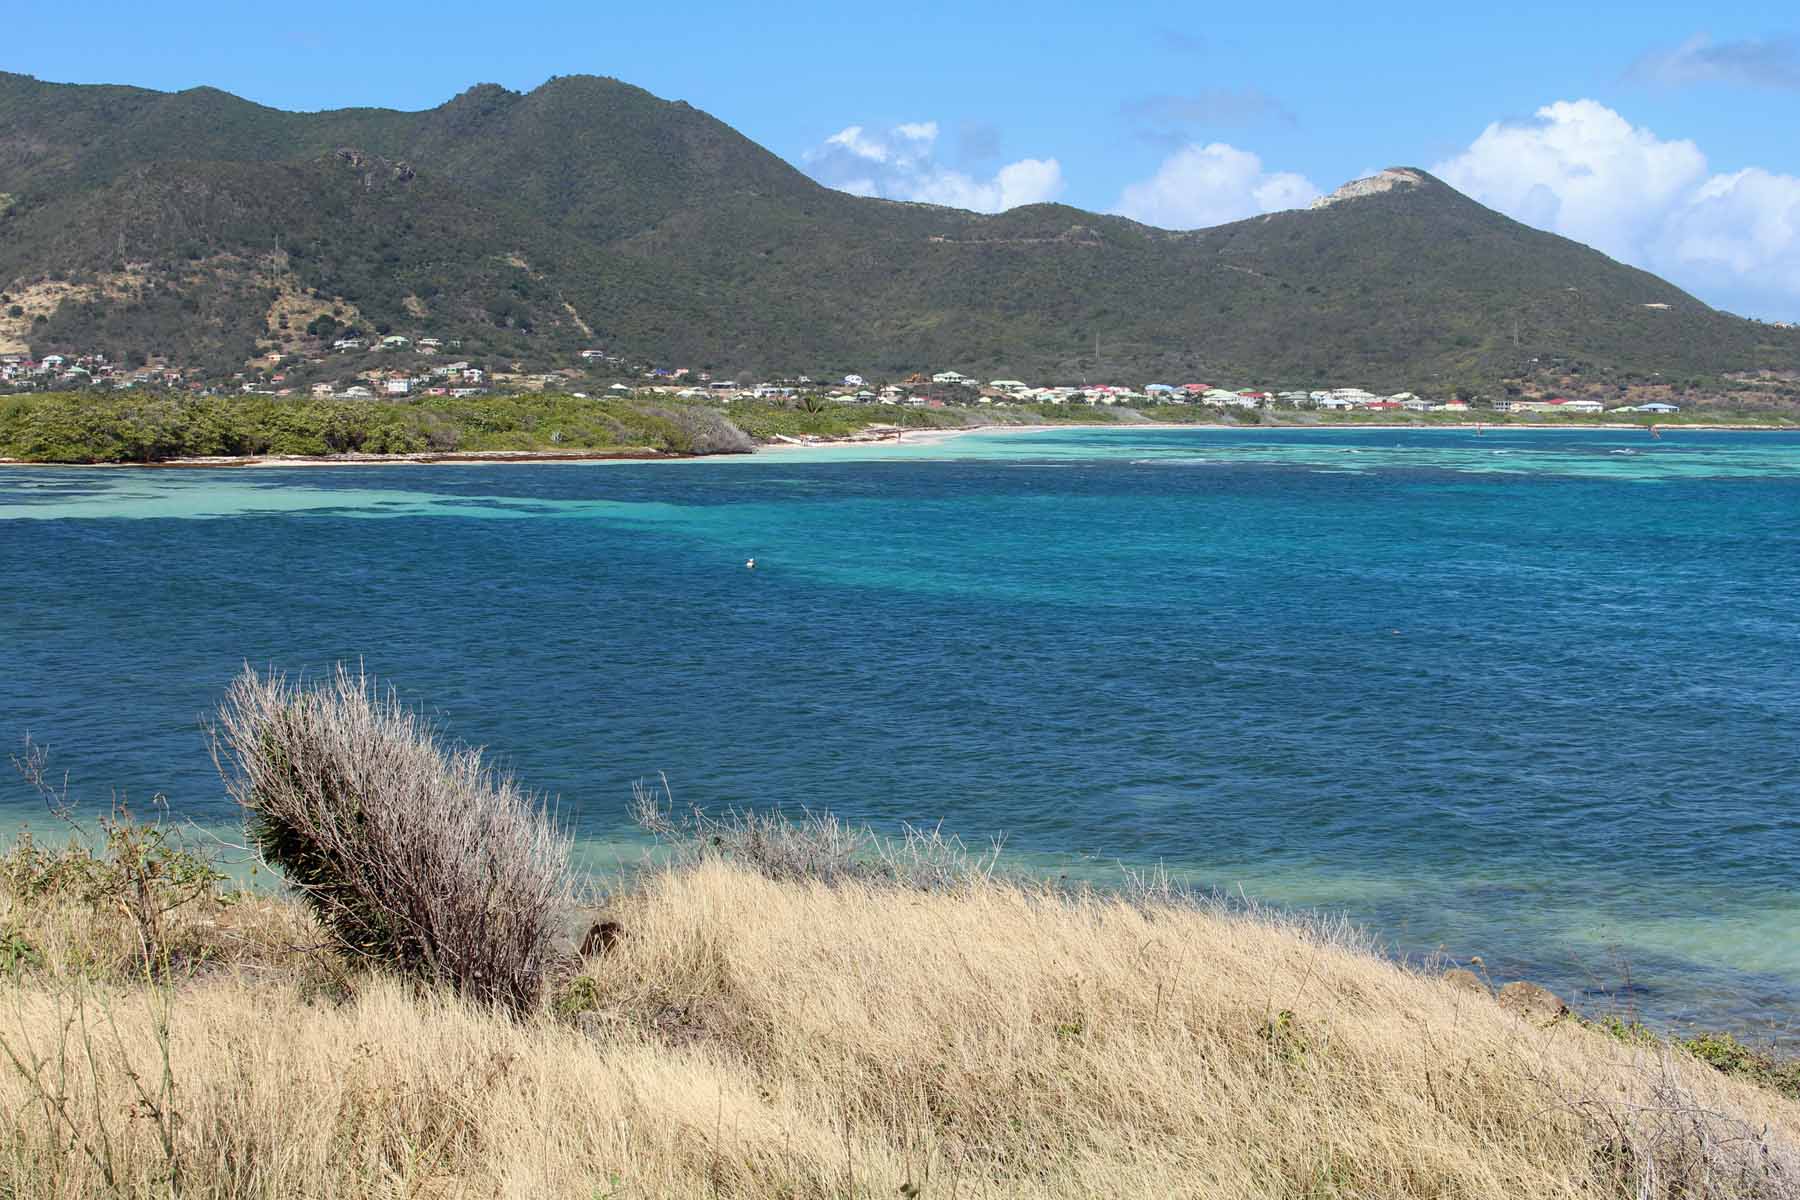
1556,405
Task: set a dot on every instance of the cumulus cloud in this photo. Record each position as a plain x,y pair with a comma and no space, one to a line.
1580,169
1210,185
900,163
856,144
1760,62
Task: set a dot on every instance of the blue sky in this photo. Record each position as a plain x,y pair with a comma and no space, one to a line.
1664,134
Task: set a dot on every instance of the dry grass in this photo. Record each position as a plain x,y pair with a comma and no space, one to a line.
758,1037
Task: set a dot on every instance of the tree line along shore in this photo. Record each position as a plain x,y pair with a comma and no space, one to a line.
79,427
768,1007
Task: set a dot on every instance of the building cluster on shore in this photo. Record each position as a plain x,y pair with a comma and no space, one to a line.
20,371
403,368
953,388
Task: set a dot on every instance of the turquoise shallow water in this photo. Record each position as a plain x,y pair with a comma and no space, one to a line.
1532,695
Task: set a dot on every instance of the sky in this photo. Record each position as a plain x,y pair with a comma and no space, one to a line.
1666,135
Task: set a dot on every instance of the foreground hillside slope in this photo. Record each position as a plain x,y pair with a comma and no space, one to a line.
588,211
745,1036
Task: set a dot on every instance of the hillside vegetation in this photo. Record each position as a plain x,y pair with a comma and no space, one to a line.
145,428
203,227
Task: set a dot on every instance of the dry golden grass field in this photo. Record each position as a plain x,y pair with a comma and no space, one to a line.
753,1037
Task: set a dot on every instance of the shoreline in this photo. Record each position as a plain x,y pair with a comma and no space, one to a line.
910,437
450,458
916,437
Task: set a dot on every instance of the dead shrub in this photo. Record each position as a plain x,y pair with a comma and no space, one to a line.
414,855
818,846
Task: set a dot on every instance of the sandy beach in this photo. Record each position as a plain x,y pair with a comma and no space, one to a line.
916,437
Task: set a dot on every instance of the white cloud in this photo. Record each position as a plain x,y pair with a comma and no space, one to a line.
1758,62
1580,169
853,141
899,164
1210,185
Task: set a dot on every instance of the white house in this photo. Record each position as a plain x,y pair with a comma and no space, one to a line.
1557,405
950,377
397,387
855,381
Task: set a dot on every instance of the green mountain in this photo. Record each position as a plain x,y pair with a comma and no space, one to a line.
206,228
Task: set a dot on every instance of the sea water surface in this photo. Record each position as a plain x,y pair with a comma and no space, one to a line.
1529,695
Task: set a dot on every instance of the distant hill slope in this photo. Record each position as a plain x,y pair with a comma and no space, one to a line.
208,228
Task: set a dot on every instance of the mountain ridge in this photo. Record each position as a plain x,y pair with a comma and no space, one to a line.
529,224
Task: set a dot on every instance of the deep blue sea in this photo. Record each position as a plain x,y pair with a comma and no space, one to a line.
1532,695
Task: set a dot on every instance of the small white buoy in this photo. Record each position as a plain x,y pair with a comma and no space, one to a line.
750,564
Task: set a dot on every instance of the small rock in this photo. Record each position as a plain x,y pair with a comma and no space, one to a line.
600,938
1465,980
1538,1005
